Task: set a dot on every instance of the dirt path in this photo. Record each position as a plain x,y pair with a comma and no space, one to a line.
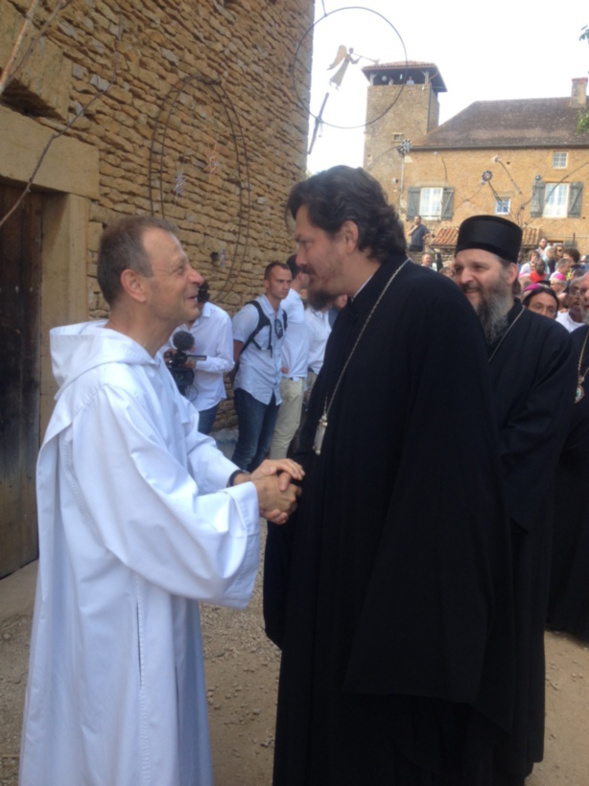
242,670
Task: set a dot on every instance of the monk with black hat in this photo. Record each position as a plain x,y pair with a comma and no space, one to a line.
533,378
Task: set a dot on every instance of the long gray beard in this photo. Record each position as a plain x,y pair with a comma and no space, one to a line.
493,317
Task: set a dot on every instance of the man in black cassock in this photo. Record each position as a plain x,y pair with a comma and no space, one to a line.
390,593
568,605
533,378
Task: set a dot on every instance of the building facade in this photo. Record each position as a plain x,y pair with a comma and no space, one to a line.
522,159
182,109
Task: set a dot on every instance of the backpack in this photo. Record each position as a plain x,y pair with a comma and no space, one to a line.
263,321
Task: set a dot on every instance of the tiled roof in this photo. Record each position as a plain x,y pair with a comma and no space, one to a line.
530,122
531,237
446,237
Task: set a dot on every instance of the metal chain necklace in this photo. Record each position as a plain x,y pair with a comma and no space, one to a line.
322,425
504,336
579,392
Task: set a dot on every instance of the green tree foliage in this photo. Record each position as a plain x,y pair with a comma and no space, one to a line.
583,122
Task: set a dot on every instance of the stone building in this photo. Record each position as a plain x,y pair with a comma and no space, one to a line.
522,159
402,105
184,109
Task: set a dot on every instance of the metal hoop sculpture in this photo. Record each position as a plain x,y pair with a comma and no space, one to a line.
305,104
207,164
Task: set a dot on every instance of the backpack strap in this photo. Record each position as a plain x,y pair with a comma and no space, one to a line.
263,321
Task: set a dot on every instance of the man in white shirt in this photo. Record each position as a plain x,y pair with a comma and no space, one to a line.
258,336
319,329
575,317
543,246
295,360
140,518
213,338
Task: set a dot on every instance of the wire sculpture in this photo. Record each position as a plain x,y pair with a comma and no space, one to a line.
345,57
180,177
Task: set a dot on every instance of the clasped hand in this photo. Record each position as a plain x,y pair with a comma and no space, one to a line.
277,493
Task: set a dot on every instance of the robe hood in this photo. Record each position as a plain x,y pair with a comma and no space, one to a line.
136,526
75,349
82,348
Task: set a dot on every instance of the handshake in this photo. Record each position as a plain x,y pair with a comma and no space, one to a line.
275,483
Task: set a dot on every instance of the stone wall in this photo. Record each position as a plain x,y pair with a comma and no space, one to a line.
413,112
200,123
187,109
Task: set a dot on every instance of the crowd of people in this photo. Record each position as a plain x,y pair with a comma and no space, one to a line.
427,440
553,281
272,350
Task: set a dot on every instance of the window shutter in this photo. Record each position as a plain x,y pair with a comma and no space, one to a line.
537,206
447,204
575,199
413,195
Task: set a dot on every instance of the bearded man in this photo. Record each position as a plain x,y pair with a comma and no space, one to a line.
533,377
392,606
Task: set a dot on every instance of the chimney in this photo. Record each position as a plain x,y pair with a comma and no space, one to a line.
579,93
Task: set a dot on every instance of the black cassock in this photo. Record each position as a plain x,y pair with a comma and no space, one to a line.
568,607
390,590
533,378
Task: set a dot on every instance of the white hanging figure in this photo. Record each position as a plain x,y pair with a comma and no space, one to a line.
343,56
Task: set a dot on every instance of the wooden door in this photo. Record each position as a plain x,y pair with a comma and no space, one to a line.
20,287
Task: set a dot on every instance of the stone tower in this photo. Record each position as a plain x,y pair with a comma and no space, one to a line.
409,91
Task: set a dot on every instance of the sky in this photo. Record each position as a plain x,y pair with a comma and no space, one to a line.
521,49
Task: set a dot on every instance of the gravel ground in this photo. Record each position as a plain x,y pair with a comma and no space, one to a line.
242,670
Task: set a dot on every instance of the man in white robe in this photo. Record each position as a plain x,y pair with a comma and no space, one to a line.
140,517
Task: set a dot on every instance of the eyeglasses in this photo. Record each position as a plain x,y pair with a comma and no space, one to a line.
278,327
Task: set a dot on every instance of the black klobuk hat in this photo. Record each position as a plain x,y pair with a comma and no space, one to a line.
491,233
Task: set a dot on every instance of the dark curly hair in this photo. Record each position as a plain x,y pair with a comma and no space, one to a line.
343,193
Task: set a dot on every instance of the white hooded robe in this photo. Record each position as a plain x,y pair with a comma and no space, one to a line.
135,527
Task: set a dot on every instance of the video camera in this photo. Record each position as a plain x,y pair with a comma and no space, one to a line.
176,361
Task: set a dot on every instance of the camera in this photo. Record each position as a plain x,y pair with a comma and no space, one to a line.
176,361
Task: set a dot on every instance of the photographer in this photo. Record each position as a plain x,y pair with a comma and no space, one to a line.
213,341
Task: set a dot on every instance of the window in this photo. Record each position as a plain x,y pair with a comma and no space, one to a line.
430,203
502,206
557,198
560,160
